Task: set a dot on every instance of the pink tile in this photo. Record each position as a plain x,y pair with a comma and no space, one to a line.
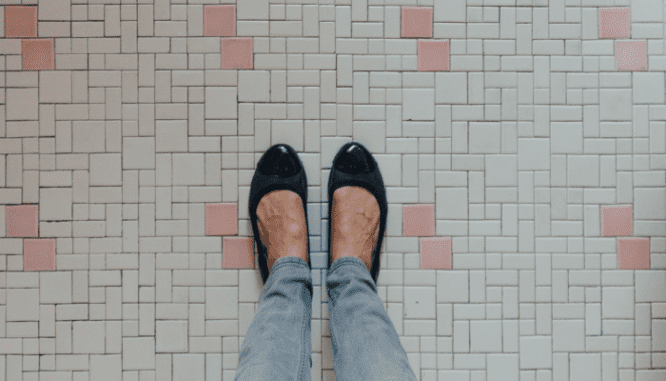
631,55
220,20
20,21
633,253
418,220
614,23
22,220
238,253
38,54
417,22
39,254
221,219
237,53
617,221
433,55
436,253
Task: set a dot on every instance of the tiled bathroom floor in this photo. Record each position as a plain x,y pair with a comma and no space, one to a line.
522,142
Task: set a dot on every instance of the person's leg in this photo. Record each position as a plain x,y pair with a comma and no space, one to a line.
278,343
365,343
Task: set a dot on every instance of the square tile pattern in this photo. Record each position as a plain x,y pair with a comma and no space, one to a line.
521,144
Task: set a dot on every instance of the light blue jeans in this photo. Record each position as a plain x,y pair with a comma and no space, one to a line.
278,343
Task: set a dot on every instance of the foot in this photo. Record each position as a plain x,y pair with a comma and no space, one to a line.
354,224
282,226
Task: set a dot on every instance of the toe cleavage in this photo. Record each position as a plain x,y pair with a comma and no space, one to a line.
279,168
354,165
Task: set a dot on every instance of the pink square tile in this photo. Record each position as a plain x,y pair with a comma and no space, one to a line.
238,253
220,20
418,220
21,220
237,53
417,22
433,55
631,55
38,54
39,254
633,253
614,22
617,221
20,21
221,219
436,253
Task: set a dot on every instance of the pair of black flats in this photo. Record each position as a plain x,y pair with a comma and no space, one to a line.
280,168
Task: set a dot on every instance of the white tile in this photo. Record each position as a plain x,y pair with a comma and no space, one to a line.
418,104
651,286
105,169
22,104
486,336
55,86
55,204
55,287
253,86
419,303
533,154
22,304
188,366
569,335
105,368
221,303
188,169
171,336
221,103
451,203
88,336
585,367
617,303
648,87
451,87
649,204
88,136
288,132
583,170
452,286
138,353
566,138
501,170
138,153
171,136
252,10
536,352
646,11
484,137
502,367
615,104
249,286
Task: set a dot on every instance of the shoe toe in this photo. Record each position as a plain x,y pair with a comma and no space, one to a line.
354,159
280,161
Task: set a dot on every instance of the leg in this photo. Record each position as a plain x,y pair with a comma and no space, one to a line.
278,343
365,343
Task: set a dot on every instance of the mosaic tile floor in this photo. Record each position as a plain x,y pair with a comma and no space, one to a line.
522,142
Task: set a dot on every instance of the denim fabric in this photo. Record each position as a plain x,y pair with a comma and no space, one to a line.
278,343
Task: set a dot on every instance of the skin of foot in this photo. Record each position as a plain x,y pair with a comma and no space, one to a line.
282,226
354,224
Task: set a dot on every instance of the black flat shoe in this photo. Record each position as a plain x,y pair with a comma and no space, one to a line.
354,165
279,168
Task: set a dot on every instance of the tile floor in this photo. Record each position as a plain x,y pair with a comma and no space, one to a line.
522,143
